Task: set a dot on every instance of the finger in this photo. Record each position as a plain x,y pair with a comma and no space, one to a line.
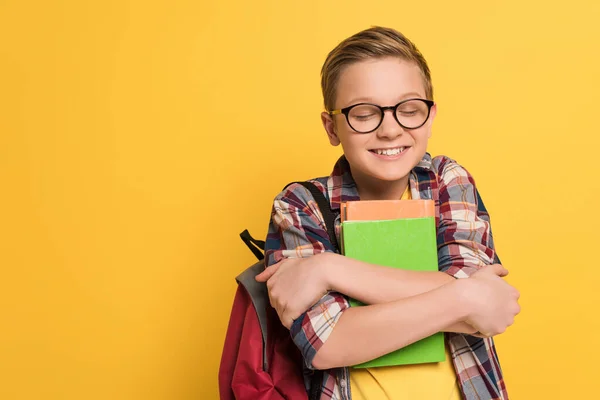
267,273
517,294
288,323
272,301
499,270
285,318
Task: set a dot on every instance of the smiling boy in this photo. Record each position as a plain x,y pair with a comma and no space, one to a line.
379,106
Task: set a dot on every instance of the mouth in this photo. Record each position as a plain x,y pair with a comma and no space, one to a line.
390,152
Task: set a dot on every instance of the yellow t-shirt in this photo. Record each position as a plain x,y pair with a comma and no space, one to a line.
406,195
432,381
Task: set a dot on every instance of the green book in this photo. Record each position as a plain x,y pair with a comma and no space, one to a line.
398,243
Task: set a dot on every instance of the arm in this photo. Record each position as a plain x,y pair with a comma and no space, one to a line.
329,272
375,284
485,301
465,242
364,333
297,231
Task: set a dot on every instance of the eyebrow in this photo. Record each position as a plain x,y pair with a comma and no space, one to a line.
370,99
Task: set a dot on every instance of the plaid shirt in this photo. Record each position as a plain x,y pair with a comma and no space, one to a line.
465,244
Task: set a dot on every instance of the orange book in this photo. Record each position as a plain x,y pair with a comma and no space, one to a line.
378,210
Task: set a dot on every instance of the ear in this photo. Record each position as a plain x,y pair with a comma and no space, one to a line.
329,126
432,115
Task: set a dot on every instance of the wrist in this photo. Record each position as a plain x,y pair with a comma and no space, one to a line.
460,289
327,268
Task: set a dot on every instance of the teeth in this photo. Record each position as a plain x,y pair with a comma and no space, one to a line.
390,152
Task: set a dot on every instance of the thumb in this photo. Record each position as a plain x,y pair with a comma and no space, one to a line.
267,273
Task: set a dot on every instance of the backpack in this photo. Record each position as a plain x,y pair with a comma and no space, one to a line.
259,360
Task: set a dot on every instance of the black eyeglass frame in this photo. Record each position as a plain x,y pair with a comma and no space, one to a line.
346,112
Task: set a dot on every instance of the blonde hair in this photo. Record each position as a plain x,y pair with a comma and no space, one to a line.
375,42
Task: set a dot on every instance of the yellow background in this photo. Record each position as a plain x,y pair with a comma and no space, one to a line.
137,139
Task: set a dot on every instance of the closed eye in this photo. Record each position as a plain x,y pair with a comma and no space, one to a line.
364,117
408,113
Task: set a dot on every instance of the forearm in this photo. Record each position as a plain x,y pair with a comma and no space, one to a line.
374,284
365,333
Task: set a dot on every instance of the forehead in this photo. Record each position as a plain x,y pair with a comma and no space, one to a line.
383,81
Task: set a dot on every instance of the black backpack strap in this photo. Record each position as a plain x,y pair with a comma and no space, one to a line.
256,246
325,208
316,381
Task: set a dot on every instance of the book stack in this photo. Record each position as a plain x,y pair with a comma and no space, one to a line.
395,234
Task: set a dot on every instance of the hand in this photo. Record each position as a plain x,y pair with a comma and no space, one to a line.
492,303
295,284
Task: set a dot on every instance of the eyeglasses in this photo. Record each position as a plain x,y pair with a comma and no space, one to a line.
366,117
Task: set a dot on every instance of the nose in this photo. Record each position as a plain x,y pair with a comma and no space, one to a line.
389,128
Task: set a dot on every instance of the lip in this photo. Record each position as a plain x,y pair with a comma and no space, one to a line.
388,148
390,158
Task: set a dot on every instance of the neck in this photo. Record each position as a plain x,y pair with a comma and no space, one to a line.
369,189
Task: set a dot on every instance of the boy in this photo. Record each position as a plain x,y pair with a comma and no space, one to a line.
379,101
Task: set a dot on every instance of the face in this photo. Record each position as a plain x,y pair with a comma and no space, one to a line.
384,82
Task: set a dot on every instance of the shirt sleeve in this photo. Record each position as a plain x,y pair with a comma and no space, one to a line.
464,236
297,230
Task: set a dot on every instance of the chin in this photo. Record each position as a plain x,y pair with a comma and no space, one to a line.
390,179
